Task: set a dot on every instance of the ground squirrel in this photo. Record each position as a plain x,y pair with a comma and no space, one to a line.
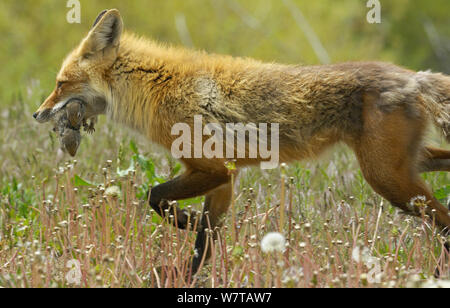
68,124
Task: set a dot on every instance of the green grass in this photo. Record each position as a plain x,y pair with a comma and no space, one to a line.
53,210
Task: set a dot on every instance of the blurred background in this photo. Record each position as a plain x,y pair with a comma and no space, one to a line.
35,38
35,35
40,187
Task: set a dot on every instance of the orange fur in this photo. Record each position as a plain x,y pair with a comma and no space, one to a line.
378,109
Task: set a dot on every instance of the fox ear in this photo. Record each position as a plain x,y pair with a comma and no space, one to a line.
99,17
105,34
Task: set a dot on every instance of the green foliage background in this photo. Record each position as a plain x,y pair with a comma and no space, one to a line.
35,35
34,39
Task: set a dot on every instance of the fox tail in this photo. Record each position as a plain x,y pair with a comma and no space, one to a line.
435,92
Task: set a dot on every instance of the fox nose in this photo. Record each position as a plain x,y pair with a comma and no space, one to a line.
35,115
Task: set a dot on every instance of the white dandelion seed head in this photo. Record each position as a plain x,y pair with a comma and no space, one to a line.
272,242
113,191
359,255
436,284
417,200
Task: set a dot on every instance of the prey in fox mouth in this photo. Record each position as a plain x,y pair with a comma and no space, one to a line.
68,122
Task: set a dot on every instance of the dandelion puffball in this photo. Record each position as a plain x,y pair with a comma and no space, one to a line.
113,191
273,242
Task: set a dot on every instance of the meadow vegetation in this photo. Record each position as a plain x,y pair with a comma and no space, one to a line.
94,209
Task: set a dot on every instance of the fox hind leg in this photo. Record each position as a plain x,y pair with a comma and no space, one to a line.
388,150
434,159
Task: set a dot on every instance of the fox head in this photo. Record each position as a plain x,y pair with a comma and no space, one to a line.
82,74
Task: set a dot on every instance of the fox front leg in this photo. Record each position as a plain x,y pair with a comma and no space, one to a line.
217,203
191,184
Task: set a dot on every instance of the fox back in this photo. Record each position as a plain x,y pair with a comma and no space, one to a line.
381,111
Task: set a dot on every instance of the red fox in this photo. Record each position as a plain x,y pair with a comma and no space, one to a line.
379,110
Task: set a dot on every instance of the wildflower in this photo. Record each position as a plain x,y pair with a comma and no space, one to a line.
359,256
113,191
292,275
63,224
417,201
436,284
273,242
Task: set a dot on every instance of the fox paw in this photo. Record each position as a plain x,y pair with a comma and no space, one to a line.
185,219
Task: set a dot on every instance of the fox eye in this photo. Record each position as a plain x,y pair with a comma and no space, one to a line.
60,84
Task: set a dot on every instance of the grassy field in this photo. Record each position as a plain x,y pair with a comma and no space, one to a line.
338,232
